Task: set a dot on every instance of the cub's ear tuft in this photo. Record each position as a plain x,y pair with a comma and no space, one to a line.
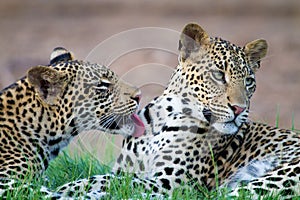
60,54
255,51
48,83
192,38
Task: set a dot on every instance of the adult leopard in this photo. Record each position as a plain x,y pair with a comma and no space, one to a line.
42,112
198,130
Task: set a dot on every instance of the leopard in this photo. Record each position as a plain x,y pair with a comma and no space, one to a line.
198,133
43,111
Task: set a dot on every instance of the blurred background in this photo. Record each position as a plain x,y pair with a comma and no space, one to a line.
30,29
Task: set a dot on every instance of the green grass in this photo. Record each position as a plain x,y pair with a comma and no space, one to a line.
65,169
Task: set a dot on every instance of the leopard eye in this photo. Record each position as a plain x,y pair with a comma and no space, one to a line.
249,82
219,76
103,86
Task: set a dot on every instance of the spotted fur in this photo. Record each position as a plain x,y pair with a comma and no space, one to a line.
199,128
42,112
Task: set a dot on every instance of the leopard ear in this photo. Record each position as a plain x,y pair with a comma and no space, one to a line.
255,51
191,39
48,83
60,54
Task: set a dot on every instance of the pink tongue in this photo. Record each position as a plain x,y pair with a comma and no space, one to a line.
139,128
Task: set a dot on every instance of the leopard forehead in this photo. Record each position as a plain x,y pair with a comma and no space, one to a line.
220,56
89,72
90,83
94,83
224,56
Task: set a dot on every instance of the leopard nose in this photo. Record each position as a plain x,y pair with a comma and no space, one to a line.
237,109
137,96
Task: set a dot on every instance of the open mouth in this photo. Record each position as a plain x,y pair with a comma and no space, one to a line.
125,125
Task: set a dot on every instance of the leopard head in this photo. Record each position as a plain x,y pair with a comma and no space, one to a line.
217,76
86,96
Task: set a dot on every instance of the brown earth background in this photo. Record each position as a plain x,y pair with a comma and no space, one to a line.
29,30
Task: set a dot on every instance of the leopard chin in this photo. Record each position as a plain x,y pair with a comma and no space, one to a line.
227,128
